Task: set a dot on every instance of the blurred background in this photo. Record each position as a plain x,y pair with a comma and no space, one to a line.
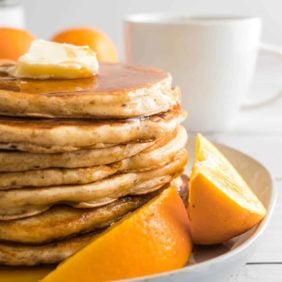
44,18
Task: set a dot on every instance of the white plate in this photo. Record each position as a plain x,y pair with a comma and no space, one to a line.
214,263
219,262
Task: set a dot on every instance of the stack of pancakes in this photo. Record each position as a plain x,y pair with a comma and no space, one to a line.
77,155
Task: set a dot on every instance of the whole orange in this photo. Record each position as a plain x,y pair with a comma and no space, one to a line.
14,42
95,39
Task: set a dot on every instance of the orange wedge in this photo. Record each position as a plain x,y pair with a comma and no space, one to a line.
153,239
221,204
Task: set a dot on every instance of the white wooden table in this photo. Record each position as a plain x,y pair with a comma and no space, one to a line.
259,134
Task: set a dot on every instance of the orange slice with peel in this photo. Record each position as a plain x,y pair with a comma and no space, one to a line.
221,204
153,239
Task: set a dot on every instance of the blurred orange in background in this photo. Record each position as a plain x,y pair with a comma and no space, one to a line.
97,40
14,42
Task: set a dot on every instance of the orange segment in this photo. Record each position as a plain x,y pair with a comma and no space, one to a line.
14,42
95,39
221,204
153,239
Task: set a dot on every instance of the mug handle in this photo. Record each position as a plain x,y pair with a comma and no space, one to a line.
250,104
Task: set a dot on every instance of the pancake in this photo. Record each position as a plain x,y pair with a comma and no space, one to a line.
23,212
117,91
55,176
156,155
28,255
13,202
30,211
53,135
67,221
23,161
53,252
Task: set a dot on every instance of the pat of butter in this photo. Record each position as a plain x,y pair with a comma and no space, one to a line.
50,60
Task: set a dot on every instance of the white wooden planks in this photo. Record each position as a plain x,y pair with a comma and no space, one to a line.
271,248
259,273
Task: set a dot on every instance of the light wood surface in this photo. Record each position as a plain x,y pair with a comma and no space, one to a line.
259,273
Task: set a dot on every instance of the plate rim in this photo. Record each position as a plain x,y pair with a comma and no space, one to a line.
249,242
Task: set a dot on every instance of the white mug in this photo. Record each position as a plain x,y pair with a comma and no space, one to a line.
212,59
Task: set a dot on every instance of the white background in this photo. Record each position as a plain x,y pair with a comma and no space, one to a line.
45,17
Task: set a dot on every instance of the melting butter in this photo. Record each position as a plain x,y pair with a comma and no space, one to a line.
50,60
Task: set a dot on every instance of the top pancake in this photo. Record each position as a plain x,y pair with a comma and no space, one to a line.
118,91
